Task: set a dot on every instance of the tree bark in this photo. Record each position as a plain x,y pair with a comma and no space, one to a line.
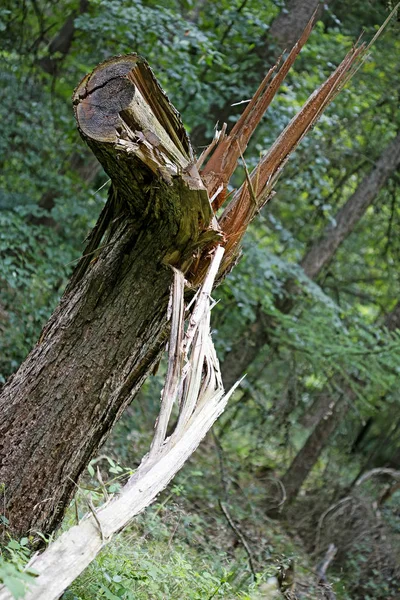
318,256
321,405
199,393
317,441
110,327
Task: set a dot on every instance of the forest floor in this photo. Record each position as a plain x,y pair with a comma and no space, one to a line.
207,536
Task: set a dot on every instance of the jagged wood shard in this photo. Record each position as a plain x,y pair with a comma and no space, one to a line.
222,164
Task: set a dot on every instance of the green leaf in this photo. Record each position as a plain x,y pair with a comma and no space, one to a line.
109,594
15,586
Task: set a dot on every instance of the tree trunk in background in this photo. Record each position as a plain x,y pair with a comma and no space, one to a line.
245,349
61,43
86,168
110,327
319,438
361,435
285,30
320,407
373,459
318,256
305,460
322,252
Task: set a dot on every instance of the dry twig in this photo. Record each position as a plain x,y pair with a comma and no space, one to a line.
240,537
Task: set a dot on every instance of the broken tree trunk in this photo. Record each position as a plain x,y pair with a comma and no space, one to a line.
193,382
110,328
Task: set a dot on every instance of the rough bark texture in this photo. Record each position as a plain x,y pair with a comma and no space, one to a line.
321,405
318,256
110,327
199,393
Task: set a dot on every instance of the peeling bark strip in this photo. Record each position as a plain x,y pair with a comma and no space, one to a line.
257,190
258,187
110,327
221,166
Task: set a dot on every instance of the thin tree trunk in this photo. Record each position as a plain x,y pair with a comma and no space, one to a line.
382,442
246,349
322,252
87,170
306,458
57,50
361,435
294,16
60,45
321,405
320,437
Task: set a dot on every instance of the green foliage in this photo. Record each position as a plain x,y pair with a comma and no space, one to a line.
182,547
160,573
33,271
209,55
13,574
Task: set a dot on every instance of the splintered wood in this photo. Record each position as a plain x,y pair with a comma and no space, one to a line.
194,381
258,187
